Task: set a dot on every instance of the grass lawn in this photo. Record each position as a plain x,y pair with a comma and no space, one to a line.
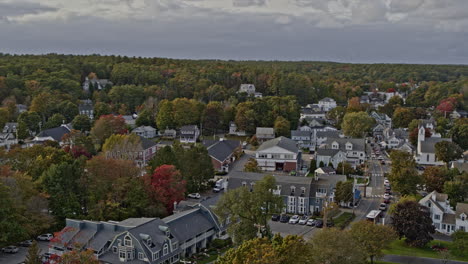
399,247
343,220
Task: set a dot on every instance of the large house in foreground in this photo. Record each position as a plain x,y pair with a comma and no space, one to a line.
444,218
279,154
336,150
141,240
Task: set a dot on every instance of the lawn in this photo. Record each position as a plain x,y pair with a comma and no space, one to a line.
399,247
343,220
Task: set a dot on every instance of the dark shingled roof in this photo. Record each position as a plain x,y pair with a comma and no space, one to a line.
188,224
428,145
56,133
146,143
282,142
221,149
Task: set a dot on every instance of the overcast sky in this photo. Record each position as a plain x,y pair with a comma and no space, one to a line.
406,31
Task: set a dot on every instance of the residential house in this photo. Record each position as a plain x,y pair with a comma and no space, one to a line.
86,108
336,150
295,191
381,118
323,190
169,133
145,131
303,139
425,151
327,104
460,165
189,134
141,240
324,170
320,135
21,108
406,146
222,152
377,131
7,139
279,154
233,130
130,120
249,89
264,133
312,112
444,218
52,134
98,84
141,154
459,114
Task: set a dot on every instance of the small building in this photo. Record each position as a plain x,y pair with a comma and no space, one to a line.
459,114
10,127
382,119
249,89
52,134
222,153
145,131
279,154
233,130
302,138
189,134
264,133
327,104
7,139
169,133
140,154
97,84
86,108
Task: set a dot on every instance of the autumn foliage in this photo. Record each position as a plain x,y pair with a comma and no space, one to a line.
166,186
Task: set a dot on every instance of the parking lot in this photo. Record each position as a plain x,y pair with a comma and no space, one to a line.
6,258
289,229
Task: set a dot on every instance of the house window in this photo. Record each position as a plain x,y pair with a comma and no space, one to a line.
244,184
293,189
128,241
149,242
114,249
122,254
462,228
443,226
141,256
463,218
175,246
427,157
437,217
166,249
155,255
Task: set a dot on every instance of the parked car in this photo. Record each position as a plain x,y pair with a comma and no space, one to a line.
284,218
294,219
382,162
194,195
383,207
275,217
386,196
45,257
45,237
311,222
25,243
10,249
330,223
319,223
387,201
303,220
388,191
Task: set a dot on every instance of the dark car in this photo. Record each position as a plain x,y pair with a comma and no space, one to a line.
275,218
387,201
284,218
330,223
319,223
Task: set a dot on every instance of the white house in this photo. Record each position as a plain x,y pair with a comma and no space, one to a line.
264,133
336,150
189,134
279,154
327,104
249,89
444,218
425,151
303,138
233,130
145,131
86,108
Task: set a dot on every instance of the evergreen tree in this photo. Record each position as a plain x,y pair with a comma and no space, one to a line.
34,254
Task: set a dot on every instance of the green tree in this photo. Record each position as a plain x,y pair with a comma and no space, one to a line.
460,243
282,127
164,156
249,211
344,192
413,222
3,116
337,114
402,117
252,166
403,175
68,109
196,168
254,251
145,118
457,189
212,117
165,116
334,246
459,133
347,170
107,125
34,254
372,238
73,257
11,229
447,151
357,124
100,109
82,123
55,121
435,178
313,165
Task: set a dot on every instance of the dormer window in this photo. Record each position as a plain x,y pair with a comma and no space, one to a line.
463,217
293,190
349,146
244,184
149,242
168,233
165,249
127,241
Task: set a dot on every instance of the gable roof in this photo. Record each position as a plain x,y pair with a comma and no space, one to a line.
282,142
327,99
56,133
144,129
188,224
461,208
221,149
146,143
327,152
428,145
265,131
359,144
300,133
326,134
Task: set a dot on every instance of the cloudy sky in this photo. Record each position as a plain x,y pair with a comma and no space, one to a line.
406,31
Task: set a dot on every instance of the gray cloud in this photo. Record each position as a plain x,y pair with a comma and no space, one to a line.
245,3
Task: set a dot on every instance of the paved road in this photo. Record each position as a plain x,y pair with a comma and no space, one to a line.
419,260
21,255
289,229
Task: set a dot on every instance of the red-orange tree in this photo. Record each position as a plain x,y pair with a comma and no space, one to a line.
107,125
166,186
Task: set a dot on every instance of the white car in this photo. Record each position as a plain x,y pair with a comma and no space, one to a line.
303,220
386,196
311,222
45,237
194,195
10,249
387,182
294,219
383,207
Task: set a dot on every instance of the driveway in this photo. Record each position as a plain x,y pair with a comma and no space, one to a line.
21,255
